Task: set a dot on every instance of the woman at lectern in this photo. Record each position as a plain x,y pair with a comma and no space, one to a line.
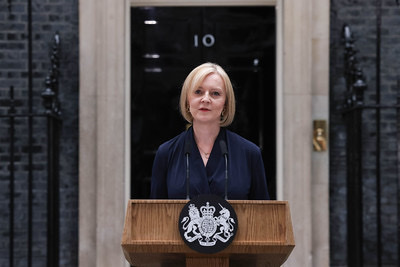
208,157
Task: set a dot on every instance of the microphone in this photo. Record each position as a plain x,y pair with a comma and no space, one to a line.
224,151
187,154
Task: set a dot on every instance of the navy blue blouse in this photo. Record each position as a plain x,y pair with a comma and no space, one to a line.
246,171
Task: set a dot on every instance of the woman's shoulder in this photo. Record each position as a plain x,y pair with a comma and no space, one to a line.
172,143
240,142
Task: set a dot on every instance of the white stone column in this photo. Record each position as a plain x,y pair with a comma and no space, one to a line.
320,111
297,123
102,132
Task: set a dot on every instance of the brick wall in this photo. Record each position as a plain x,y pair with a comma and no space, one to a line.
361,16
48,16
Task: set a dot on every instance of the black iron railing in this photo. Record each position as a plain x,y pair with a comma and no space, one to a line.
354,114
24,117
354,102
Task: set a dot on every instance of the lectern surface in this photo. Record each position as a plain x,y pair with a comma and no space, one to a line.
151,236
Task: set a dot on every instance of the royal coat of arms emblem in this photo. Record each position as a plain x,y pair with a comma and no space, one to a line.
208,224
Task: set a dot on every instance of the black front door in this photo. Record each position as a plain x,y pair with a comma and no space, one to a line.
167,43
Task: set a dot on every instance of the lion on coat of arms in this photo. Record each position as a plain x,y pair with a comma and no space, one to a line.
204,228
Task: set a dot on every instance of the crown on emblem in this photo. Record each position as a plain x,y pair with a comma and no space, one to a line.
207,211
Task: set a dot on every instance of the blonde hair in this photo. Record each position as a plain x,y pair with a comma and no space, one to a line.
194,80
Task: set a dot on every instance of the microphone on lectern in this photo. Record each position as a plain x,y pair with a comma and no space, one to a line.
187,154
204,238
224,151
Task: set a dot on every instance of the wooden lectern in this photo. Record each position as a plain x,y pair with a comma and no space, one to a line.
151,235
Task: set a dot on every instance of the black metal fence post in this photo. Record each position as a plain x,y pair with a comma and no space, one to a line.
11,113
398,168
53,205
30,132
51,105
354,103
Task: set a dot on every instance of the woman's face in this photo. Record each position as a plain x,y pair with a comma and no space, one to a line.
208,100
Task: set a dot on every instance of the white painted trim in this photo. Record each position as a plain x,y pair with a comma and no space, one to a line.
203,3
279,99
127,114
